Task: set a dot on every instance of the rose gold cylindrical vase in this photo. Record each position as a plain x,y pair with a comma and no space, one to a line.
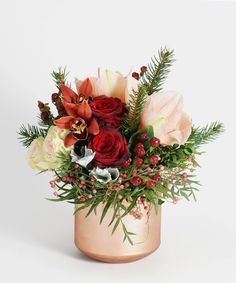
96,240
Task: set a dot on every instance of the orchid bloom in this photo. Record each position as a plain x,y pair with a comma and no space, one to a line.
79,120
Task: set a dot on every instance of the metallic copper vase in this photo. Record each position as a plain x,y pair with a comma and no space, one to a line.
96,240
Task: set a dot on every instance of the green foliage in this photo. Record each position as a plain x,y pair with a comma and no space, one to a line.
175,155
157,71
59,77
137,101
134,138
204,135
28,134
151,81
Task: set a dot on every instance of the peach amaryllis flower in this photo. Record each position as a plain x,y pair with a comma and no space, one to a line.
79,120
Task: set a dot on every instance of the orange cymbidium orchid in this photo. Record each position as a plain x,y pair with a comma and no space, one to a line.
79,119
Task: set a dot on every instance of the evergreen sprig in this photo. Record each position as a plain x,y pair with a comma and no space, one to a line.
28,134
137,101
204,135
59,77
157,71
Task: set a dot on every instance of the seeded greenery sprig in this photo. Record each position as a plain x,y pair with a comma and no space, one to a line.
28,134
157,71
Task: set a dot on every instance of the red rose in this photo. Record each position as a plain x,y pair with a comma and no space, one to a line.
110,148
109,111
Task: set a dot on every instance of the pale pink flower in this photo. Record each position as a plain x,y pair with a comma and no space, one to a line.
112,84
164,111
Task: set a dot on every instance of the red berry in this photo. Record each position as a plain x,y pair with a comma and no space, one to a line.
143,137
154,142
136,181
71,174
83,198
140,151
156,177
126,164
138,162
76,165
150,184
135,75
41,105
139,144
54,97
44,116
143,69
153,159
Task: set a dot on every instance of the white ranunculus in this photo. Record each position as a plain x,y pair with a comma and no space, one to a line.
35,155
53,144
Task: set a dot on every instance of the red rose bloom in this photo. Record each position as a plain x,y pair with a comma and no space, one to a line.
110,148
109,111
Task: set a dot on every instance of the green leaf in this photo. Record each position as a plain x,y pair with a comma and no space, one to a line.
104,212
93,207
81,207
116,225
150,132
133,139
130,207
117,206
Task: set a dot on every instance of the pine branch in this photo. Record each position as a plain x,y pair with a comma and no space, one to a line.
157,71
59,77
137,101
27,135
209,133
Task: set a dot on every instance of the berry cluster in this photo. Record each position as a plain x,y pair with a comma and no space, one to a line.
137,76
56,100
145,161
45,112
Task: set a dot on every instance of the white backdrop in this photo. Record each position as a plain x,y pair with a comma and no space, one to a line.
36,236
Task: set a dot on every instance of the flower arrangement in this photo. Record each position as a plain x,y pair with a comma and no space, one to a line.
119,141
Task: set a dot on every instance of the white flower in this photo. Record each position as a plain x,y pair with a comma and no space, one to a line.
35,155
84,160
53,144
105,175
